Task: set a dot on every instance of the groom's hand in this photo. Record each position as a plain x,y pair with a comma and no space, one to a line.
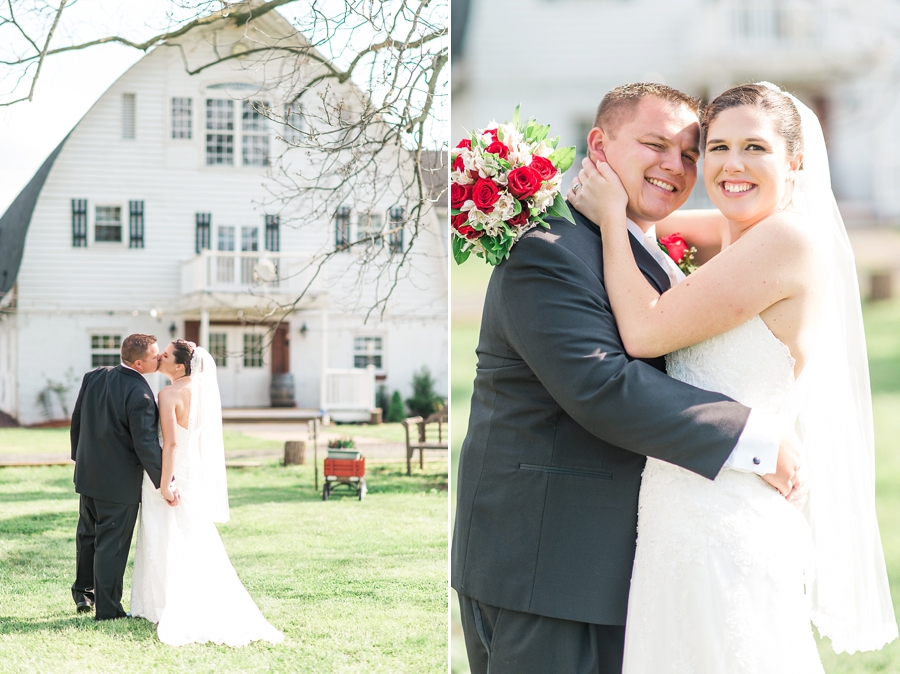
785,478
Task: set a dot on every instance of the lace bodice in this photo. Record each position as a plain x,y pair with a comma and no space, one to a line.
747,363
720,566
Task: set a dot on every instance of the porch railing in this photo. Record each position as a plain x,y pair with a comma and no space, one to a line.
350,393
262,273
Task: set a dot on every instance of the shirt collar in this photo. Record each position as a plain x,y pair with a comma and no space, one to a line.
133,370
639,233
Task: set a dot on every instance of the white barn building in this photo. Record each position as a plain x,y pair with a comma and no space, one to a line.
151,217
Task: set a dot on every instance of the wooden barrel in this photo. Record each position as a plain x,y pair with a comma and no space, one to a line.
282,390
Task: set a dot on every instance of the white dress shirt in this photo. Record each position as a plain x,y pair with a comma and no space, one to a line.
757,448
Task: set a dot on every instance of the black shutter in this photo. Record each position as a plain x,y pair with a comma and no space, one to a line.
273,237
395,241
342,227
136,224
79,223
203,220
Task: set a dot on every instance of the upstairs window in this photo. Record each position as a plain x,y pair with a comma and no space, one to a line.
368,350
136,224
181,118
79,223
342,227
108,224
203,238
105,350
255,130
395,239
273,234
219,132
371,223
128,116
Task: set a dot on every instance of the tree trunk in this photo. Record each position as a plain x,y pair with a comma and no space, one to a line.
294,452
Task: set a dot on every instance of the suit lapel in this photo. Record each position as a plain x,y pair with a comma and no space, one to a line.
645,262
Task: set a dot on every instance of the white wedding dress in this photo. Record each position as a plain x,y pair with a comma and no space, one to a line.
183,579
721,566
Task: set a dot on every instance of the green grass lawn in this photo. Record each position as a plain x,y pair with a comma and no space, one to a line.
355,586
390,432
883,338
56,441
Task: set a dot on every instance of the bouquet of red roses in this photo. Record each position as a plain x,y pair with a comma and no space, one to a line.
505,180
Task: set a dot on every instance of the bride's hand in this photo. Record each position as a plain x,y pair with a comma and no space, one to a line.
600,195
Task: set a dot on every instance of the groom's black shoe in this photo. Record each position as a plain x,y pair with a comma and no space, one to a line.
84,606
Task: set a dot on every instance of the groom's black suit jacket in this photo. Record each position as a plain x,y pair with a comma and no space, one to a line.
561,422
114,435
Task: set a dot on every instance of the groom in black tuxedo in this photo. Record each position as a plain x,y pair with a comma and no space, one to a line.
114,440
562,420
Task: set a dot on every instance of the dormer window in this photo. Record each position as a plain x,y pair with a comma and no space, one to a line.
255,129
219,132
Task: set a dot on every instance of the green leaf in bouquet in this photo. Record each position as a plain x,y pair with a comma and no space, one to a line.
563,158
560,209
515,119
553,142
455,211
505,165
541,134
460,252
517,208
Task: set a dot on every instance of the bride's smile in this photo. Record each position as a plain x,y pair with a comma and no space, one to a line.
746,166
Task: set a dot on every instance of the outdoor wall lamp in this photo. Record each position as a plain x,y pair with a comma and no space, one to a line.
173,329
303,330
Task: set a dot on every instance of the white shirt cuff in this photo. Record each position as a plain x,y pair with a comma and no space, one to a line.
757,448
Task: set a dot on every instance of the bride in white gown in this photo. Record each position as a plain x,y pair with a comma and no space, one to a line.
729,574
183,579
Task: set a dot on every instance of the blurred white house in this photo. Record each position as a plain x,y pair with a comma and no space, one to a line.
559,57
155,215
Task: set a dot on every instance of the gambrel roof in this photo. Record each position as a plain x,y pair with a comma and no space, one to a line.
14,223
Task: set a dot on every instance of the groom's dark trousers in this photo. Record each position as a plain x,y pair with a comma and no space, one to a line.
561,423
114,440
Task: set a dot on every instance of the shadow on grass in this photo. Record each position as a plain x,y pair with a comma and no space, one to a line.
39,523
137,629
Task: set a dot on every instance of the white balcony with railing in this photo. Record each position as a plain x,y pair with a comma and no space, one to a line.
349,394
795,37
260,274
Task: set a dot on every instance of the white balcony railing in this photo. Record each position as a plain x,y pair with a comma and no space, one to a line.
809,30
257,273
349,394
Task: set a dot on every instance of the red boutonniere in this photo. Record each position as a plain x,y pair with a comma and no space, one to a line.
676,248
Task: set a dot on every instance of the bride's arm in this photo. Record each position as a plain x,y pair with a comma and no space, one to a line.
764,267
167,420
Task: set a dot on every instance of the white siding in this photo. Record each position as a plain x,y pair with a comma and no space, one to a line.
66,293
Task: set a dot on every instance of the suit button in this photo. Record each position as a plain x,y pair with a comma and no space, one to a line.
755,460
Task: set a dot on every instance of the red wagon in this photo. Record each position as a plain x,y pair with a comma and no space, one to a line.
348,472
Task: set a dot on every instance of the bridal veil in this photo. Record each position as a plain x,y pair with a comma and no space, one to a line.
205,426
831,401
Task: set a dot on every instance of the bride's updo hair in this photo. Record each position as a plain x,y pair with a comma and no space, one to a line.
779,107
183,351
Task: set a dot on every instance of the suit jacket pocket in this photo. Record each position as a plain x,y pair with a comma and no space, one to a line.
557,470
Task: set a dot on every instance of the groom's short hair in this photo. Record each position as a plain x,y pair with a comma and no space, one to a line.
621,102
136,346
